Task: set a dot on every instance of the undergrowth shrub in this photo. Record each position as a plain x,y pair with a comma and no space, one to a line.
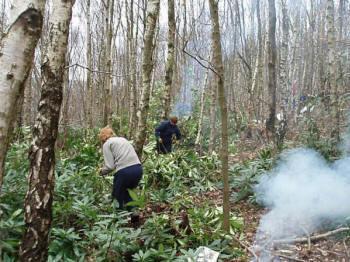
86,226
328,147
246,175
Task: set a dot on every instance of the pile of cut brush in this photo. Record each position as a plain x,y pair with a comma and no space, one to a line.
326,246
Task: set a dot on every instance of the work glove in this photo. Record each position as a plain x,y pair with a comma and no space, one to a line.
101,172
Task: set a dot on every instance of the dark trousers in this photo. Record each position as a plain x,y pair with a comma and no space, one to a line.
124,179
164,148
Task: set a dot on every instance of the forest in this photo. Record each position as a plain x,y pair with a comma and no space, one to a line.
174,130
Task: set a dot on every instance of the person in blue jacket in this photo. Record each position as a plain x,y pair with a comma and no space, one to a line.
164,134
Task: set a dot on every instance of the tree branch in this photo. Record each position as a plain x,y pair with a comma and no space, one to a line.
245,62
198,61
95,71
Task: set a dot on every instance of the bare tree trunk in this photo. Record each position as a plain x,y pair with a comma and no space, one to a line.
170,60
134,73
27,114
38,201
283,73
219,68
259,85
89,63
257,74
272,54
147,68
198,141
109,78
332,68
212,117
66,99
310,81
132,50
17,52
23,109
340,53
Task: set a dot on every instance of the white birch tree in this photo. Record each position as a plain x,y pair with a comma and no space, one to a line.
38,200
16,58
147,68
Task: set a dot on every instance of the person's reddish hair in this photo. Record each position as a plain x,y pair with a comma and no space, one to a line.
106,133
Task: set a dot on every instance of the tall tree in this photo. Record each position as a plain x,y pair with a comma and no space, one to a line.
283,72
219,69
17,52
109,78
340,59
132,51
332,68
147,68
212,117
272,54
257,74
170,60
198,141
89,63
38,200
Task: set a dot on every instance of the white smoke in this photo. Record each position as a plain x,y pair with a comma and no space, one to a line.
303,193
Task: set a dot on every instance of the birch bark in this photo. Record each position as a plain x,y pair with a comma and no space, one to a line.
272,54
38,200
16,58
282,128
170,60
147,68
332,69
109,78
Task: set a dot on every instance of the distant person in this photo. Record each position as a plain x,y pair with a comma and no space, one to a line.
120,157
164,134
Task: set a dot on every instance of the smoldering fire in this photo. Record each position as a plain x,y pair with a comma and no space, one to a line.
303,193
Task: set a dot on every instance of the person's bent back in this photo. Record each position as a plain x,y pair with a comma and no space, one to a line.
121,158
164,134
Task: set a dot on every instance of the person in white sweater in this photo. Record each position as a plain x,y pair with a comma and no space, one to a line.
121,158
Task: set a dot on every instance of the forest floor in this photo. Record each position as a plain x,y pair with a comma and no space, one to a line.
333,248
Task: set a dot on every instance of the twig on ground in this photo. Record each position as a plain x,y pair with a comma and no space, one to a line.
337,254
290,252
313,238
246,247
290,258
323,252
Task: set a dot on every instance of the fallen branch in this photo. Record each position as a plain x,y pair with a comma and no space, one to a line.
289,258
313,238
246,248
325,252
